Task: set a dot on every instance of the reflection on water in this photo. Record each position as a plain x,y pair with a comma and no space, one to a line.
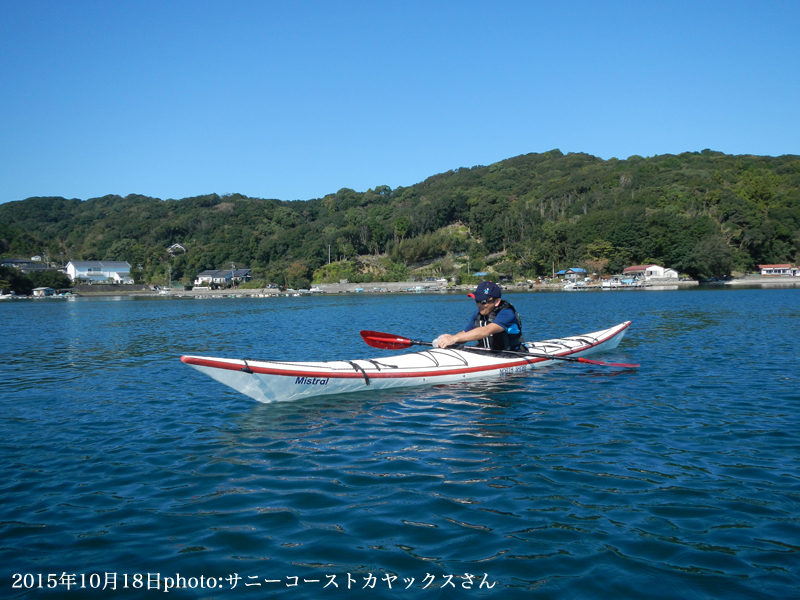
573,481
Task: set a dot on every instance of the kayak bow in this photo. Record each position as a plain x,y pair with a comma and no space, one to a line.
273,381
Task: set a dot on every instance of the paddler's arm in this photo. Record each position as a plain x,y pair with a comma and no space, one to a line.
468,336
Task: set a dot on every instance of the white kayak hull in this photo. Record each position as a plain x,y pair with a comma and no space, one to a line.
277,381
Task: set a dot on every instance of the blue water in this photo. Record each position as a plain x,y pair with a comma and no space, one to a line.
680,479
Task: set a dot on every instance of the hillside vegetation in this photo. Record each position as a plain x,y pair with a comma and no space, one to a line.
702,213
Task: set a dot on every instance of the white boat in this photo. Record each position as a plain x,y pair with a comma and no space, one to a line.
611,284
277,380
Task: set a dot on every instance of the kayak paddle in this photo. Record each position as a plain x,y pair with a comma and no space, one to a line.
390,341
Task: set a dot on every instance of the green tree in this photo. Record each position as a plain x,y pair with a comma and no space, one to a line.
758,189
401,225
710,258
507,267
12,280
599,250
54,279
297,276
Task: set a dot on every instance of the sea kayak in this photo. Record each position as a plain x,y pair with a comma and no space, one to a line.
277,381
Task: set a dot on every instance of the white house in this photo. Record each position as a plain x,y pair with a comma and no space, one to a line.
43,292
777,270
213,278
99,271
648,272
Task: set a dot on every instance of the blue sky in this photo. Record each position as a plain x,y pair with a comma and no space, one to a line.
295,100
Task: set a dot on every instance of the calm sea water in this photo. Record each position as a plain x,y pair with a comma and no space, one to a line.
678,480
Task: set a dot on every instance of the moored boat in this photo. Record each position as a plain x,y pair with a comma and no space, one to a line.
276,380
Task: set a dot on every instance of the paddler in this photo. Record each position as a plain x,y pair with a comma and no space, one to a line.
495,324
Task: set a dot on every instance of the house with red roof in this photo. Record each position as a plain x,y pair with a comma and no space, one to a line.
648,272
783,270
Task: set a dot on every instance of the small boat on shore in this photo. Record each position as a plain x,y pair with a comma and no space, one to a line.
278,380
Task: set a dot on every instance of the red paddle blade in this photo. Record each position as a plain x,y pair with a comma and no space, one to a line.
387,341
607,364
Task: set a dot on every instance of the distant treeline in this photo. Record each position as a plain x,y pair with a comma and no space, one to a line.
703,213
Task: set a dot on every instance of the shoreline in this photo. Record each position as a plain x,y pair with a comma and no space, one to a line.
422,287
763,281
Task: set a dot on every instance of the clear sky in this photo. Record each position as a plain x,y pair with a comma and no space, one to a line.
297,99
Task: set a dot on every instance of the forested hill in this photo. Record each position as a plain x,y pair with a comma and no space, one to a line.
702,213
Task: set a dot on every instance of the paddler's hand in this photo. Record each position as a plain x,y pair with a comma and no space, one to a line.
445,340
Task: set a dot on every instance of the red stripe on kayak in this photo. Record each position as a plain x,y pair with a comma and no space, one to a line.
216,364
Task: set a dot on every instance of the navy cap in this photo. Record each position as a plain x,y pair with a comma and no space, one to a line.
485,290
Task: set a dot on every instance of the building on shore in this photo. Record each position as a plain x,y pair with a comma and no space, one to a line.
27,266
648,272
99,271
213,278
573,274
43,292
782,270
